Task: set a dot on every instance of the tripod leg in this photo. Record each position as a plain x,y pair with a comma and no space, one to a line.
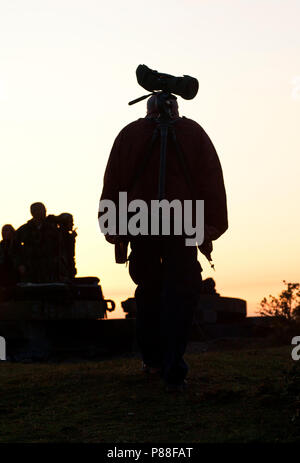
163,155
182,161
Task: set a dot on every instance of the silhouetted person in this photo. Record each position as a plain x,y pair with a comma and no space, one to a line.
67,237
165,270
39,240
208,286
8,257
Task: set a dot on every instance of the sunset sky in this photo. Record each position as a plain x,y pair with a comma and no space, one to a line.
67,72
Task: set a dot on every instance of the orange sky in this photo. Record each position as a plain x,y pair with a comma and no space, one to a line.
67,72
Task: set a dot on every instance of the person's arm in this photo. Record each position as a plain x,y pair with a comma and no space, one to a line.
111,176
111,184
215,202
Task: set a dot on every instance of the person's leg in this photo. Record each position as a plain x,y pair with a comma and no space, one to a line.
181,275
145,270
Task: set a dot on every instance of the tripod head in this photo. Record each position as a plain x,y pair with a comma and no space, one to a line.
163,102
162,106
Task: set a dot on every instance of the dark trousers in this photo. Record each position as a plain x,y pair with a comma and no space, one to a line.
168,277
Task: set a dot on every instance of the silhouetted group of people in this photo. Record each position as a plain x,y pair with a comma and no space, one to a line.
40,251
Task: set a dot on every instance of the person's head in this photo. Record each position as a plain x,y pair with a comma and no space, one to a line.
153,110
8,232
38,211
66,221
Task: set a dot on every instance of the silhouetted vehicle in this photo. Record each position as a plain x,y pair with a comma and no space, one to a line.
41,319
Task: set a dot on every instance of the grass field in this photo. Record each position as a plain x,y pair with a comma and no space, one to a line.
233,396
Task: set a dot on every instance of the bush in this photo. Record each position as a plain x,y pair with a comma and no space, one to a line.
286,306
284,312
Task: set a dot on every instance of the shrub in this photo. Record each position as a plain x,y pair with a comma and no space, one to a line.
284,312
286,306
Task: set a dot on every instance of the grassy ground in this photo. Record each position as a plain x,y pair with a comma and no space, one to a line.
233,396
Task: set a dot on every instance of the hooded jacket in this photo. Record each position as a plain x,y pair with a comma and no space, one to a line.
201,159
